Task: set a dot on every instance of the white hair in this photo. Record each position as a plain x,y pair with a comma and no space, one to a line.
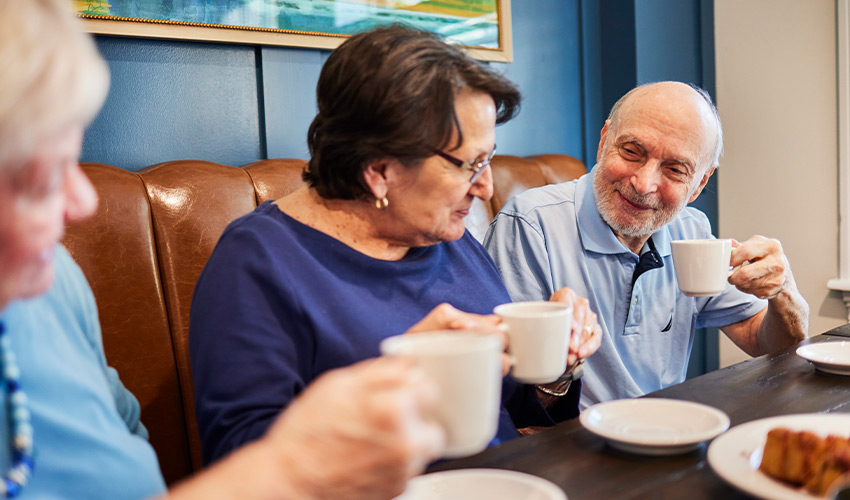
51,77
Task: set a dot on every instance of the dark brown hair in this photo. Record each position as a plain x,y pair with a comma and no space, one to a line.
390,93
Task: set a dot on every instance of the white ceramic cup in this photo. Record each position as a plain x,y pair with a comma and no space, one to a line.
468,369
539,336
702,266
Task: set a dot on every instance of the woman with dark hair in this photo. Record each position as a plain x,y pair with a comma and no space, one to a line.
392,94
374,245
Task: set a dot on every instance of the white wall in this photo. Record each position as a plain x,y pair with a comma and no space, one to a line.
776,93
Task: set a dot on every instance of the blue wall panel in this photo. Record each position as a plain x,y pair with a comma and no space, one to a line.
234,103
617,39
176,100
289,87
593,110
547,69
668,40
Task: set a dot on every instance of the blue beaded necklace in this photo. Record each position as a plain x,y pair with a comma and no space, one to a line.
22,462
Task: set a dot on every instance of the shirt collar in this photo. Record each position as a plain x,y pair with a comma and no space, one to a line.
595,233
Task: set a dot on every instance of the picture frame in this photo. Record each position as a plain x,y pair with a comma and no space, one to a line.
482,27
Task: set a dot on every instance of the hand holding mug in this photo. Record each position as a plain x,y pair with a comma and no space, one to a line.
538,339
760,267
446,317
586,334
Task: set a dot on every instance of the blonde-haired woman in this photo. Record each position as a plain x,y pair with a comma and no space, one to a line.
68,428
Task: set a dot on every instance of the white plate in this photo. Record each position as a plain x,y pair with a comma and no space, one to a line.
830,357
736,455
654,426
481,484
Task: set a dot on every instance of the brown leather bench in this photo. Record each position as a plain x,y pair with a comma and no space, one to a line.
147,243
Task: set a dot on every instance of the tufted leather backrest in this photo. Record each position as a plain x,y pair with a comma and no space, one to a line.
147,243
117,252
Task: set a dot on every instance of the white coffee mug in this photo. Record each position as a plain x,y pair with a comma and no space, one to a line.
702,266
468,369
539,339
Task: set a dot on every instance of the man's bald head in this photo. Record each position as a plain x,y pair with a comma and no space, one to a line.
691,104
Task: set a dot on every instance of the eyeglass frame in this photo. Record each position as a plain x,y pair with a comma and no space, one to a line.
477,168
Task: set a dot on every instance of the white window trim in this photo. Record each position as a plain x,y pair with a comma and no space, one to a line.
842,283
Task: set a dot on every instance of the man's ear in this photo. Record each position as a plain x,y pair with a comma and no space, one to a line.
602,135
375,176
702,183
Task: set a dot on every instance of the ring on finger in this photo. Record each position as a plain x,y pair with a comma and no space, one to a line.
588,330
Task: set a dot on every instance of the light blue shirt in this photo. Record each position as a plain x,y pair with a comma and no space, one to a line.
554,237
88,441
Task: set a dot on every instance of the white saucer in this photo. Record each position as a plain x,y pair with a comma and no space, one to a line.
654,426
481,484
830,357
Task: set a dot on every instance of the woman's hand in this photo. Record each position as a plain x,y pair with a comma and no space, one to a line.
586,331
446,317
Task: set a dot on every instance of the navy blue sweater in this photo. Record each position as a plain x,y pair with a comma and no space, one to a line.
280,303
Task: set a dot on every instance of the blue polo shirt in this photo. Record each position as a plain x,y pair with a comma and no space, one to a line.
554,237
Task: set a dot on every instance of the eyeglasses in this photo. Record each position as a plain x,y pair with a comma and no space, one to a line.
476,168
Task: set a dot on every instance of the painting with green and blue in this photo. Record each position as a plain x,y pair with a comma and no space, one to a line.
467,22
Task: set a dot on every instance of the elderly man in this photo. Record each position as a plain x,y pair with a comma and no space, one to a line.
607,236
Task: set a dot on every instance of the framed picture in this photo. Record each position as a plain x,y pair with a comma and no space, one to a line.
483,27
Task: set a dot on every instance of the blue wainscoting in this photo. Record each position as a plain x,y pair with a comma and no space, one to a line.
176,101
235,103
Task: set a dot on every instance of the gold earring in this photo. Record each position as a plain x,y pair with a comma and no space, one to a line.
382,203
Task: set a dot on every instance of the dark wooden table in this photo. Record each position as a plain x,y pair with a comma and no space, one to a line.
586,468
